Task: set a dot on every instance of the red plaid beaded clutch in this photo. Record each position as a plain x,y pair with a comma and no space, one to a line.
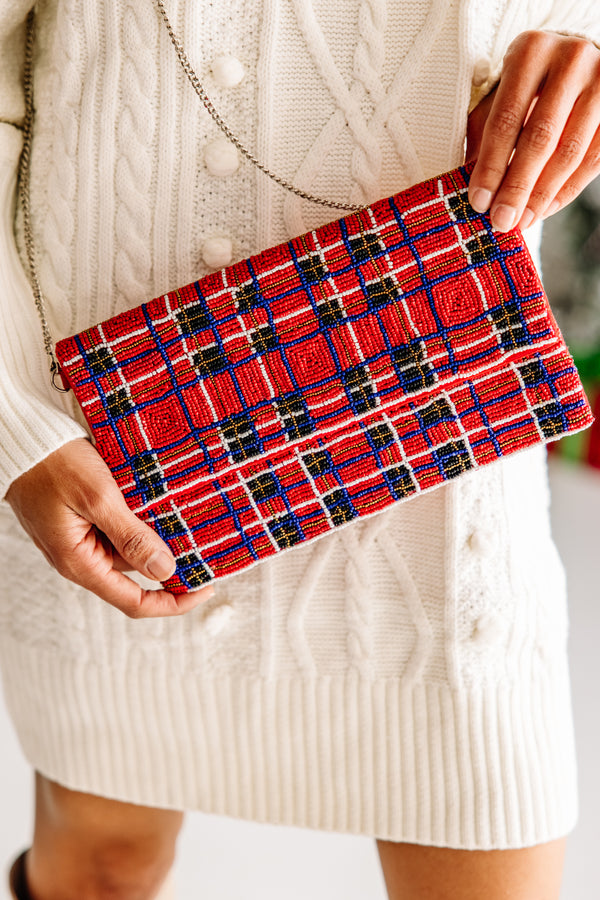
324,379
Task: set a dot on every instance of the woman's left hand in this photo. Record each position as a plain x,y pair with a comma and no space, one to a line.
545,108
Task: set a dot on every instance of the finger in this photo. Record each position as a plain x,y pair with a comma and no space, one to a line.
117,561
134,541
576,149
134,601
523,71
136,546
120,564
89,562
90,565
98,500
539,140
581,177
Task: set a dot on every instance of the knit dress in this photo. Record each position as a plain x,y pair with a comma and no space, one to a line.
406,678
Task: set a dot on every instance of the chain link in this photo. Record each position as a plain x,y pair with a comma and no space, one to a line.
208,105
24,197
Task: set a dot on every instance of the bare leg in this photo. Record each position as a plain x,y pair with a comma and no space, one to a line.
90,848
414,872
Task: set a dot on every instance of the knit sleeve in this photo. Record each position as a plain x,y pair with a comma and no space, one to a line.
579,17
33,416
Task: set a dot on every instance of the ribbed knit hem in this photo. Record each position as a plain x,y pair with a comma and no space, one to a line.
485,769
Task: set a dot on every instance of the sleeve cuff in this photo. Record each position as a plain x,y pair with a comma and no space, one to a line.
11,143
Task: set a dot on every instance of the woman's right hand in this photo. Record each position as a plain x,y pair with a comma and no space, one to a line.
71,507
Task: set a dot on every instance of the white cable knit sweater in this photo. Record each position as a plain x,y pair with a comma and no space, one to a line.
405,678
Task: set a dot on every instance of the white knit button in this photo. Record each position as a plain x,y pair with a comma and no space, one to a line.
216,619
227,70
221,157
482,541
217,252
487,629
481,71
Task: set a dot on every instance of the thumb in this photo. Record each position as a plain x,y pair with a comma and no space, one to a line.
138,545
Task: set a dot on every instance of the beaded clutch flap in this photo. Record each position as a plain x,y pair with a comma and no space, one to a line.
322,380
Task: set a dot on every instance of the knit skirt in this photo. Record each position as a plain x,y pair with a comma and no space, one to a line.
405,678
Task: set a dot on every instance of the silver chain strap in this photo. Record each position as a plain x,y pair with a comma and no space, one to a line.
24,196
209,106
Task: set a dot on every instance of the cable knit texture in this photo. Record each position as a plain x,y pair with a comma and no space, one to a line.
405,678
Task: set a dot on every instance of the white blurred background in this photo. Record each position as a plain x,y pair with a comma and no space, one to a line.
225,859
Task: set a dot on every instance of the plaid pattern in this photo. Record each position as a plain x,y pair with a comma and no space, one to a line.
324,379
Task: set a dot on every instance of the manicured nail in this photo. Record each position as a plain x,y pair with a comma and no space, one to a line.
480,200
527,218
161,566
552,208
503,217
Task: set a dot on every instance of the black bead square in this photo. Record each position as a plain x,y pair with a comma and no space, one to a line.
454,458
247,297
364,246
263,339
381,436
382,292
119,403
408,355
400,482
550,418
193,571
148,475
359,389
533,373
413,371
240,437
263,487
101,360
286,532
510,326
192,319
294,415
209,361
331,311
318,463
170,525
482,248
311,267
460,207
339,506
437,412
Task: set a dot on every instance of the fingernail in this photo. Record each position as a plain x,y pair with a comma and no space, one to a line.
552,208
527,218
480,200
161,566
203,594
503,217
